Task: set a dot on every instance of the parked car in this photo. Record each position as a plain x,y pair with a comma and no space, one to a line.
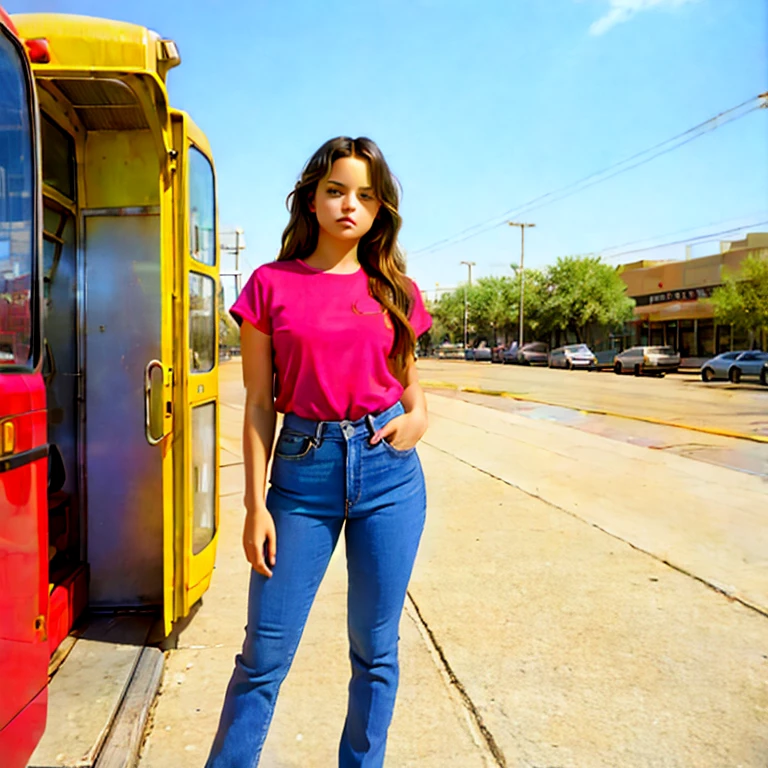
497,354
732,366
509,355
448,351
654,360
481,352
572,356
606,358
535,353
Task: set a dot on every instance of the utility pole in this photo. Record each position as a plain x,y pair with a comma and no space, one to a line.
469,264
522,274
237,274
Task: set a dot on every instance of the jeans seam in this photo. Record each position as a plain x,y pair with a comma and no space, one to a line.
401,454
360,462
271,712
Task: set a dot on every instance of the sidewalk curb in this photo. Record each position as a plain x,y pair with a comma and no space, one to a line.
598,412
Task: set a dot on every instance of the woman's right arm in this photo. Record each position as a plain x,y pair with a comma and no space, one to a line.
258,437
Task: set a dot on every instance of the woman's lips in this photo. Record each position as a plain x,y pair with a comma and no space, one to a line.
345,220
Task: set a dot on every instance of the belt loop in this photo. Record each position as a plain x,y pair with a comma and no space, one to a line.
318,438
370,424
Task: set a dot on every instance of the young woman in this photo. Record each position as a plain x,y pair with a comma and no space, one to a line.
328,333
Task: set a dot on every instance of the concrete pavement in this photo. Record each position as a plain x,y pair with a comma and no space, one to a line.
577,644
543,627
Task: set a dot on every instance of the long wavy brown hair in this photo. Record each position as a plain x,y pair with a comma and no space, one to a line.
378,251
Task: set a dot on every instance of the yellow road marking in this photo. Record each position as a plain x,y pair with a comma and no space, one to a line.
596,411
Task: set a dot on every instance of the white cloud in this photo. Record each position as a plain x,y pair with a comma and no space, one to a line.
623,10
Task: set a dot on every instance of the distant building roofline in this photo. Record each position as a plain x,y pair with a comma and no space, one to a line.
753,241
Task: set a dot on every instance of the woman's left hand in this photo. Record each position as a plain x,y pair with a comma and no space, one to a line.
403,432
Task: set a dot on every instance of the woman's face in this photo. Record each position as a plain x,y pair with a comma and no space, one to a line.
345,203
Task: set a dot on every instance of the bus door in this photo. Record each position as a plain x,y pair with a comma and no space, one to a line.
196,450
128,368
23,442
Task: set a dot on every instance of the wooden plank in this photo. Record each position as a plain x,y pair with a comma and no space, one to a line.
122,746
61,653
88,689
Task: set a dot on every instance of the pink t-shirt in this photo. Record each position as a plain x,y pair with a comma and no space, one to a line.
330,339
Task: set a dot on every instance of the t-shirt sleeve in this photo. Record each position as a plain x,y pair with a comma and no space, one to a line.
253,304
420,319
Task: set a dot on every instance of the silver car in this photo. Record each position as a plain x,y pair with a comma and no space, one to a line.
572,356
732,366
535,352
653,360
481,352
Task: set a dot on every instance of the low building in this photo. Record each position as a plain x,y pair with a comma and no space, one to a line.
672,301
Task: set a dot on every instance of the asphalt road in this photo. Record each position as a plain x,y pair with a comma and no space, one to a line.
678,398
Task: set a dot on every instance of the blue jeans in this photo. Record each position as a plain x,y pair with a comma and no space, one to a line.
325,476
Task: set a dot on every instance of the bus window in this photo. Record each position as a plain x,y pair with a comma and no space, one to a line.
202,323
202,243
203,475
17,316
58,158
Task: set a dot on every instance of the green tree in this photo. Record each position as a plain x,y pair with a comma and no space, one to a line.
536,312
742,300
579,291
448,317
492,307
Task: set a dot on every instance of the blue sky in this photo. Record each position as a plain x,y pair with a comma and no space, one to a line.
479,106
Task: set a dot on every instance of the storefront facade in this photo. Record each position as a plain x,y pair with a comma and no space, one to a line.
672,301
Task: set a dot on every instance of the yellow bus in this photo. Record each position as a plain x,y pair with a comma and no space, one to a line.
130,330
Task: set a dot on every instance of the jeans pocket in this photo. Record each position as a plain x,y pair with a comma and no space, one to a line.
396,452
292,445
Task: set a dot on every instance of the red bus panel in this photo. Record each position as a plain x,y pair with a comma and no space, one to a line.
23,425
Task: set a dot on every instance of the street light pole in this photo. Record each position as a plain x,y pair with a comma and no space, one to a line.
469,264
522,275
237,274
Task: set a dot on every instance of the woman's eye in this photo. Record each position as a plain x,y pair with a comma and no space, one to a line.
334,192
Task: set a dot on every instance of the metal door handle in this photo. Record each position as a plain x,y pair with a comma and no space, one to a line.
151,365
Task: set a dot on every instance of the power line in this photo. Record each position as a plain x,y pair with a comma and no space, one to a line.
760,214
597,177
689,241
698,130
708,237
